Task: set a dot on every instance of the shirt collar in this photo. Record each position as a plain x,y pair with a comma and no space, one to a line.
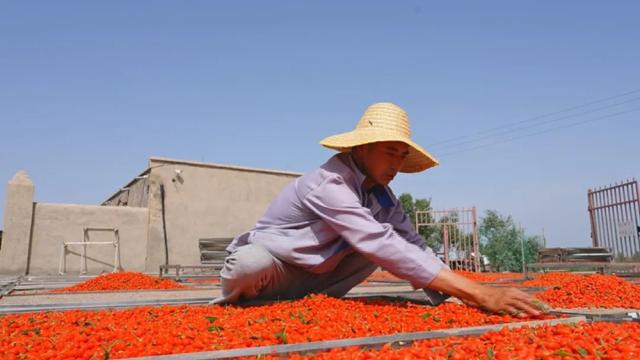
380,192
360,177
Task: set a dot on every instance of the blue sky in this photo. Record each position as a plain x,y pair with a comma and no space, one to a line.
90,90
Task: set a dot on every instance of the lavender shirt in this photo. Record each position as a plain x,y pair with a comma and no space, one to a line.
323,216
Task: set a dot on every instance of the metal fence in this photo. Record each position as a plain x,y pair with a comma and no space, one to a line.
614,212
453,235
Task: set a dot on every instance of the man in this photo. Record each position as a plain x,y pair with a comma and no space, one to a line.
330,229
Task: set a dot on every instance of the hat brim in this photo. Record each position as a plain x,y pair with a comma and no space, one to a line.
418,159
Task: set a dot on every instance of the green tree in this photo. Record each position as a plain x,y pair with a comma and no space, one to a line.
431,233
501,242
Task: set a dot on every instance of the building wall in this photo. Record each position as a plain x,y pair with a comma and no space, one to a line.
204,201
201,201
55,223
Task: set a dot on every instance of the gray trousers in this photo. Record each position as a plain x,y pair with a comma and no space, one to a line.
252,273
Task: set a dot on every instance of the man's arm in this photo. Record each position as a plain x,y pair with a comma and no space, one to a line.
509,300
340,208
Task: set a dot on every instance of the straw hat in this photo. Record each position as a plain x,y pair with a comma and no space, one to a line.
383,122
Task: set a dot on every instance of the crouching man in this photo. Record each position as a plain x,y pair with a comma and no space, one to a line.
328,230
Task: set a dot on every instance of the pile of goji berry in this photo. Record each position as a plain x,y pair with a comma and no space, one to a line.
480,277
489,277
551,279
147,331
122,281
577,341
593,291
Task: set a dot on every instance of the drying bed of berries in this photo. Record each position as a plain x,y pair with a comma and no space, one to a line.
551,279
489,277
593,291
122,281
567,290
147,331
575,341
480,277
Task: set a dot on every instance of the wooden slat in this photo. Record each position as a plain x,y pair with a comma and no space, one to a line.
213,250
212,257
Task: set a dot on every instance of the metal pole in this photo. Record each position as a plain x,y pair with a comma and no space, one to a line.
615,193
611,223
476,245
524,266
638,213
633,218
620,217
599,215
616,223
594,234
597,218
445,240
626,196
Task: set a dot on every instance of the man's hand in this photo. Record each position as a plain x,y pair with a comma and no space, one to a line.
499,300
509,300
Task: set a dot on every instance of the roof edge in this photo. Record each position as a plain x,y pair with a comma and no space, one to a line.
142,174
220,166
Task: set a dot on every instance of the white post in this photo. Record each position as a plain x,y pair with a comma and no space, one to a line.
83,256
62,265
116,262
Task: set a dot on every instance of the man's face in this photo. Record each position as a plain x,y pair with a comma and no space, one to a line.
382,160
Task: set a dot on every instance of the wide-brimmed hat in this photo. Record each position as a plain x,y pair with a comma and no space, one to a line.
384,122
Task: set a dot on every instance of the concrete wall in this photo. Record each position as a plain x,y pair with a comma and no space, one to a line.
55,223
204,201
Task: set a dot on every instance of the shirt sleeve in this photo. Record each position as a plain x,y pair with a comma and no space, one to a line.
339,206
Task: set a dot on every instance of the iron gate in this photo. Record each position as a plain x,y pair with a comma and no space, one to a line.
614,212
453,235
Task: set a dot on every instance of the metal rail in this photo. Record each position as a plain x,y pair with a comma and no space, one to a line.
165,268
6,289
62,263
17,309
